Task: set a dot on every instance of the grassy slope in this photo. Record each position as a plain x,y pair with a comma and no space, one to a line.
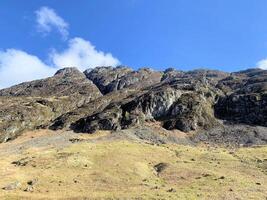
124,170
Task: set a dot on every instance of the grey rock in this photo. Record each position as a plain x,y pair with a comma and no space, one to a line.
102,77
109,119
233,135
110,79
12,186
160,167
142,78
243,108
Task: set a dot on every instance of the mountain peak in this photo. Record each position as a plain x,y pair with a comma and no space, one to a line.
68,70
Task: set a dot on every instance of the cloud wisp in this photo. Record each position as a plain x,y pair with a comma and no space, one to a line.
262,64
18,66
47,20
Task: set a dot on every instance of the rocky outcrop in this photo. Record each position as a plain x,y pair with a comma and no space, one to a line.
247,81
243,108
102,77
142,78
108,119
95,106
128,112
110,79
210,76
246,99
65,82
189,112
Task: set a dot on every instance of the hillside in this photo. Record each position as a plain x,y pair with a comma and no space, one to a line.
116,133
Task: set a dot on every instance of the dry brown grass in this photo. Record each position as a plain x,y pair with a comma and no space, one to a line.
125,170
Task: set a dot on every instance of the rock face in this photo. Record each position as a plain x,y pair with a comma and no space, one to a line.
102,77
246,98
105,98
142,78
249,108
110,79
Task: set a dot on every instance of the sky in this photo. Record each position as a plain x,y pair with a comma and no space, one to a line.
38,37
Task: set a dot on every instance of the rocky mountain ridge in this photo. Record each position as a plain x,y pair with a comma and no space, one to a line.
196,102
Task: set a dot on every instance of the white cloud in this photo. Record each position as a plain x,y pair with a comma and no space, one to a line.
17,66
262,64
83,55
47,19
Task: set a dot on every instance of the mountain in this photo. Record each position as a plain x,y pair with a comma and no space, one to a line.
205,105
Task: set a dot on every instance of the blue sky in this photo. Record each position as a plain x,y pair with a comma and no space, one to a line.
227,35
